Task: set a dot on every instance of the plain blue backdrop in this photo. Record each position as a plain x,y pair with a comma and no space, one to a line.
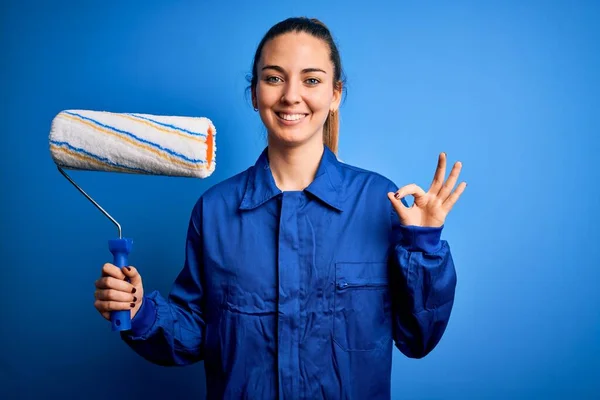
510,88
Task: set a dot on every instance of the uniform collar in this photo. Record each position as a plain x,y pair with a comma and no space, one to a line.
326,186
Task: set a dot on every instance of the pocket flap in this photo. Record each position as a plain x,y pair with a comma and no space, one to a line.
361,273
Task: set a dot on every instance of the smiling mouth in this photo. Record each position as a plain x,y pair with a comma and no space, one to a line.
290,117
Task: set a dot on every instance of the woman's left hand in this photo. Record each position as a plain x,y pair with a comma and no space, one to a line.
430,209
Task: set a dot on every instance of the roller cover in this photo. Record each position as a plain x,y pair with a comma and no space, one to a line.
133,143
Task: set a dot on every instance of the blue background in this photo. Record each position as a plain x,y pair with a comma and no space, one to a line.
510,88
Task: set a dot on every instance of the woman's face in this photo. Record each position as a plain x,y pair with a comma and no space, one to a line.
294,92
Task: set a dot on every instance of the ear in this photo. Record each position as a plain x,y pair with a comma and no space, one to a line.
337,96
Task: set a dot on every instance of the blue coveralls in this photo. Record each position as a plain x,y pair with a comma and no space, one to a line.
301,294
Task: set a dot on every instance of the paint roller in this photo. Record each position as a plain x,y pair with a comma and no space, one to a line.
131,143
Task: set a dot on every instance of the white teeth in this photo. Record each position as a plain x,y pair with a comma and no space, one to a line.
291,117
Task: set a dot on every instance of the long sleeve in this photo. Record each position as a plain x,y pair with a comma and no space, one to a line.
423,282
170,331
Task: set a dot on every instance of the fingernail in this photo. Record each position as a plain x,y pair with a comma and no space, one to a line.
134,298
133,290
128,268
132,305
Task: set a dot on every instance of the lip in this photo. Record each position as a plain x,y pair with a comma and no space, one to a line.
290,123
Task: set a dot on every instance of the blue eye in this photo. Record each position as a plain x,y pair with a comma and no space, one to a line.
273,79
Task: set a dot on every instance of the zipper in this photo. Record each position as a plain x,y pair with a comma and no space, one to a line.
345,285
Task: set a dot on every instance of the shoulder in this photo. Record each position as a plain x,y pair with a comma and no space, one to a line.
234,184
352,174
227,193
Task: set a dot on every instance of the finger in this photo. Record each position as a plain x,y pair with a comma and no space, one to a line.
440,173
411,189
453,198
109,282
108,306
109,269
397,204
115,295
449,185
133,275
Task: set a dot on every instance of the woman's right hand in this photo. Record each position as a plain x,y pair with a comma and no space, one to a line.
115,293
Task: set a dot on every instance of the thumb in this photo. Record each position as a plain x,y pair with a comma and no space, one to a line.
133,275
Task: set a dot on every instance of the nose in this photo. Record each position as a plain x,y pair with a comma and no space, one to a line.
291,93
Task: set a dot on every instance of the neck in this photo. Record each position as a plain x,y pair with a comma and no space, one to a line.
294,168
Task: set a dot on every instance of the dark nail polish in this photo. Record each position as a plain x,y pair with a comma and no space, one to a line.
134,298
128,268
132,305
133,290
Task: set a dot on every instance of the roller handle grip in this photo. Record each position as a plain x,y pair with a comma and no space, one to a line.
120,249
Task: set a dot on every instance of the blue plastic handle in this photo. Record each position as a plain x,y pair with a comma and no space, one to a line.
120,249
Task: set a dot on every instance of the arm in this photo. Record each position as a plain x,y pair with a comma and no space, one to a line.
423,277
422,283
170,331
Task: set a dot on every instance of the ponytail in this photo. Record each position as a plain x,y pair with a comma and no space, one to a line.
331,130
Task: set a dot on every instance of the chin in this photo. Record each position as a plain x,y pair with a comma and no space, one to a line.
288,139
291,138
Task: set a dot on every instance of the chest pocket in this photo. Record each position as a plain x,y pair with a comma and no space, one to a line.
362,315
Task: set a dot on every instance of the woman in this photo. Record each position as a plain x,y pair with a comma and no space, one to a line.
299,273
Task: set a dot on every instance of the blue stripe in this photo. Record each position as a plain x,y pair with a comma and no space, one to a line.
177,128
155,145
95,157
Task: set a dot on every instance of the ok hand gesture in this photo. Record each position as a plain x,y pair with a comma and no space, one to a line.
430,208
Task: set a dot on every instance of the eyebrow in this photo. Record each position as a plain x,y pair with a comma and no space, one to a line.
304,71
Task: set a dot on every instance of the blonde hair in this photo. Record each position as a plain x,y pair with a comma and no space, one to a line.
331,130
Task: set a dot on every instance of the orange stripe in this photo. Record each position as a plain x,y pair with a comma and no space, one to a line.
161,128
209,146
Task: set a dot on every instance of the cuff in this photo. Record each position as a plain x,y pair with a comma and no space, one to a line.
421,238
144,319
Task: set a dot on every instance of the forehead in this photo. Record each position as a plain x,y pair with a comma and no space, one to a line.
296,50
